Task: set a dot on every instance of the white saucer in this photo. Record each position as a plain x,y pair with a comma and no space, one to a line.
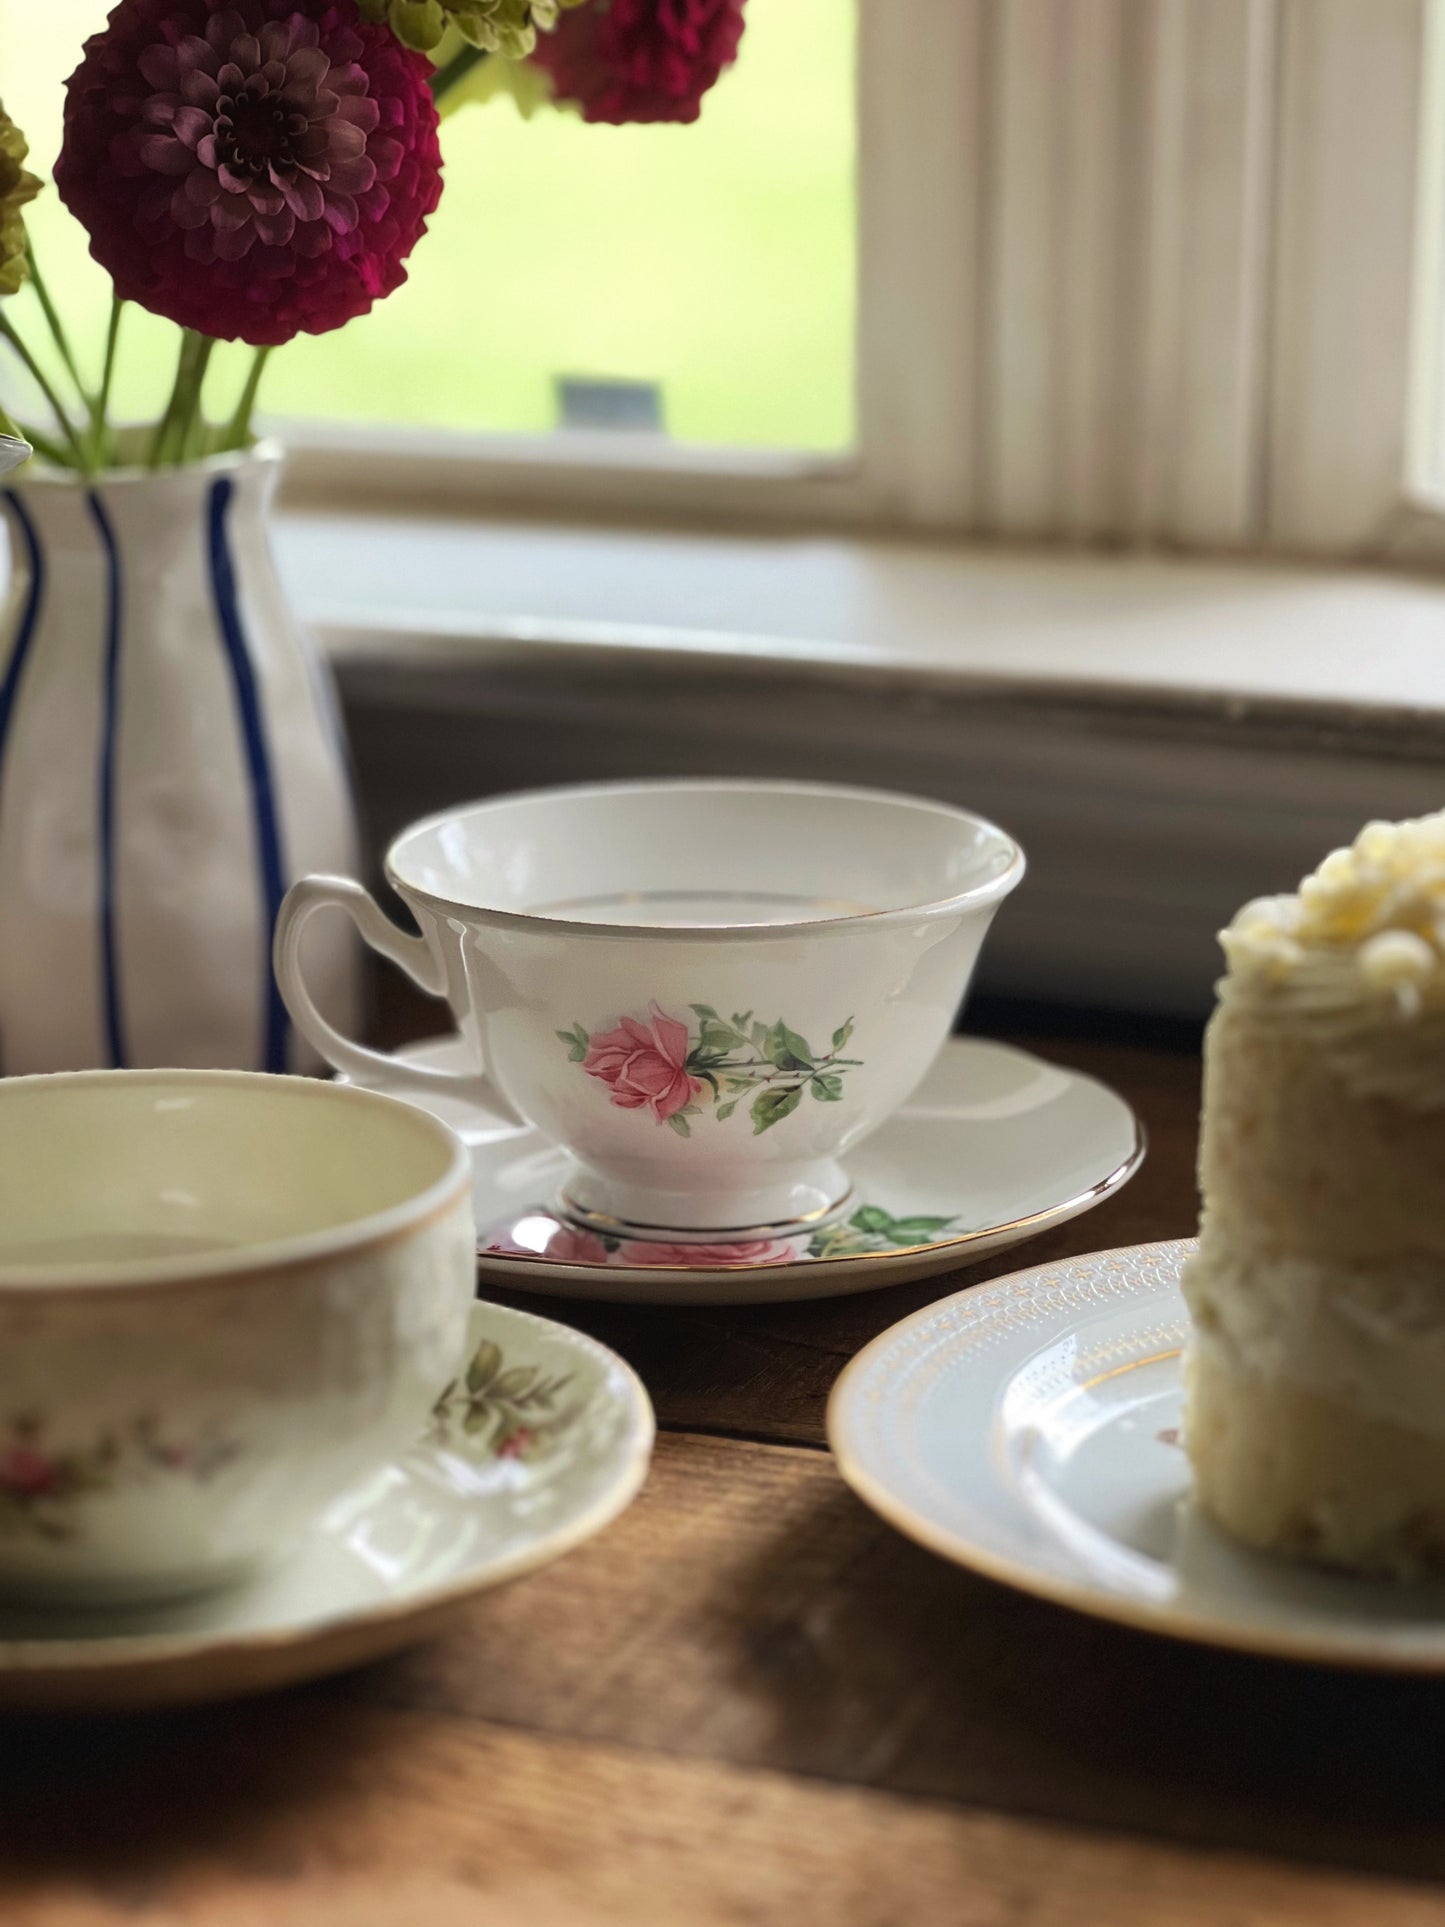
538,1445
1029,1429
995,1146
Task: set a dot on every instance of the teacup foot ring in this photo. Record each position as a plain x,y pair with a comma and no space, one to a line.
606,1225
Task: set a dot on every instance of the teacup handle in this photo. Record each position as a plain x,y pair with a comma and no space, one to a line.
411,954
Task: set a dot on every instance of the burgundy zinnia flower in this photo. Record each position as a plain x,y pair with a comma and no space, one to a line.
256,171
641,60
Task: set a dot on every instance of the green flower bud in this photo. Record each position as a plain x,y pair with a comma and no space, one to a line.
418,23
16,188
505,27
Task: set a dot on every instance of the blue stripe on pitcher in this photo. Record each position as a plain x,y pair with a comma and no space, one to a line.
258,757
109,736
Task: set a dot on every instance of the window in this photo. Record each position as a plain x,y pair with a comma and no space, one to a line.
1161,272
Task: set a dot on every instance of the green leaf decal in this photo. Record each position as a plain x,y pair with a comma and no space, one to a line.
787,1049
511,1411
771,1107
577,1041
916,1231
771,1065
798,1046
718,1037
486,1363
513,1384
871,1218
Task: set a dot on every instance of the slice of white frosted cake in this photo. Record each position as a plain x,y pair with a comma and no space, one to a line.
1315,1378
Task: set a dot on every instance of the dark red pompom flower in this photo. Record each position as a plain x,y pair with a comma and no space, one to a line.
641,60
255,170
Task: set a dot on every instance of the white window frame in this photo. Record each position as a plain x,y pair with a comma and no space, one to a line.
1131,272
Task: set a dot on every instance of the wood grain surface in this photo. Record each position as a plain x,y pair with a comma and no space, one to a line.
751,1701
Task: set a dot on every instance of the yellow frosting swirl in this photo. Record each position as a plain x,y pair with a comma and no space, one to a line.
1357,955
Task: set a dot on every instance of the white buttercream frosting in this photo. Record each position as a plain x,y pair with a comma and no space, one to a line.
1374,1339
1357,957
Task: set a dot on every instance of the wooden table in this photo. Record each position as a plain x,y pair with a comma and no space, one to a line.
750,1701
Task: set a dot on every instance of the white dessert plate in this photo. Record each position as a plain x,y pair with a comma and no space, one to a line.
1029,1429
993,1147
540,1442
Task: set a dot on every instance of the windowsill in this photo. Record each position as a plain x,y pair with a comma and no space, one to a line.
1166,738
1334,647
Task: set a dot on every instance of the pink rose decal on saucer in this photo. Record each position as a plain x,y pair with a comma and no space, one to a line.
679,1070
744,1251
539,1234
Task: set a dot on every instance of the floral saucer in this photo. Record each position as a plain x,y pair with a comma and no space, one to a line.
1029,1429
994,1146
540,1441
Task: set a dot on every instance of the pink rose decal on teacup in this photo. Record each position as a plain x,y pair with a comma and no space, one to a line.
677,1070
645,1065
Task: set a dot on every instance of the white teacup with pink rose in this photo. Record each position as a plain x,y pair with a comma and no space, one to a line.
705,992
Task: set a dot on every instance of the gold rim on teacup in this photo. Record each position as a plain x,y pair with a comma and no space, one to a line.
238,1264
709,1050
227,1300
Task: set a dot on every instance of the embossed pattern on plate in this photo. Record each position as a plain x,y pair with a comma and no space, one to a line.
1029,1429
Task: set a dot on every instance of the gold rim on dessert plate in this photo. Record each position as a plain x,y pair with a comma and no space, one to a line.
872,1431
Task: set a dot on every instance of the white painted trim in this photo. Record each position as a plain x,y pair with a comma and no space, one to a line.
1352,650
1426,429
336,465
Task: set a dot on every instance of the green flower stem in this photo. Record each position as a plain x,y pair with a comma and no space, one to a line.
193,422
100,405
457,68
167,421
168,444
238,430
76,457
53,322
